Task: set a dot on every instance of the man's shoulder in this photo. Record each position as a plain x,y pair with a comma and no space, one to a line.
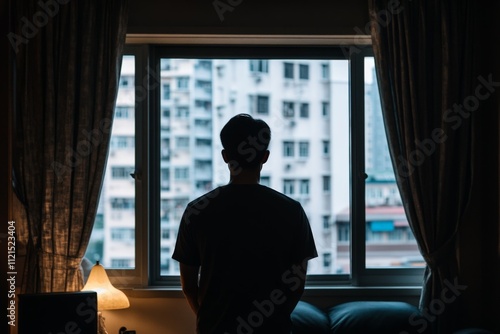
287,200
206,198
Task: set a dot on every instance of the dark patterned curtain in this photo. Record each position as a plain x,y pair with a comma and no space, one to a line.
68,59
426,60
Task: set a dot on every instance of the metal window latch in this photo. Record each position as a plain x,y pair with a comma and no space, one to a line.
136,175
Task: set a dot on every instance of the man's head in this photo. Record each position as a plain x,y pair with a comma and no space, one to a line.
245,141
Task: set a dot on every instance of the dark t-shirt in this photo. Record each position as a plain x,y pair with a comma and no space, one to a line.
251,242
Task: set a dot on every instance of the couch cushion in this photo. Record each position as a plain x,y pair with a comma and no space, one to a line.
309,319
370,317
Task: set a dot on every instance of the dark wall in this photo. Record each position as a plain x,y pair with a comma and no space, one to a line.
248,17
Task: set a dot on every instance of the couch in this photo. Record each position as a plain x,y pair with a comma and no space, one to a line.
364,317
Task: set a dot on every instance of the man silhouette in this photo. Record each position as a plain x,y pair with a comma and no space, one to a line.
243,248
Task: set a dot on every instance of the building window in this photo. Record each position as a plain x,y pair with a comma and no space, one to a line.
121,142
182,112
183,83
203,104
288,109
303,71
259,104
123,203
166,92
303,149
325,109
122,234
182,142
327,260
326,148
181,173
326,183
326,222
325,71
204,85
288,70
258,65
304,187
126,82
343,233
124,112
304,110
288,187
165,179
122,173
288,148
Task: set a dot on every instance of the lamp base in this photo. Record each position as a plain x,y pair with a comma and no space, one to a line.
101,327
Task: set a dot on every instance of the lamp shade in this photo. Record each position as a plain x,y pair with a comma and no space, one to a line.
108,297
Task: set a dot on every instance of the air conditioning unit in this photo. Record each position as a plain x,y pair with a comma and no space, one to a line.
291,124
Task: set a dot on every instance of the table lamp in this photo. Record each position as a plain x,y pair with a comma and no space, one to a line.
108,297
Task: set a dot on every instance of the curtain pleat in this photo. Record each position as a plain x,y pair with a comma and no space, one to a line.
425,58
67,74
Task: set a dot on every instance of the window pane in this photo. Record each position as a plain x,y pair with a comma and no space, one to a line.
113,237
303,140
389,239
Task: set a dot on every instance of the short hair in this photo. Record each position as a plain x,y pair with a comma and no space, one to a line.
245,140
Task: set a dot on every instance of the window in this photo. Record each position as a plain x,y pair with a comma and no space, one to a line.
183,83
182,112
303,149
126,81
257,65
325,109
259,104
122,203
288,148
326,222
288,109
288,187
122,173
325,71
304,187
192,117
303,71
304,110
326,148
181,173
204,85
326,183
182,142
122,234
288,70
122,142
124,112
166,92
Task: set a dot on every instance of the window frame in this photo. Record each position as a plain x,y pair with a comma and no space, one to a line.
147,170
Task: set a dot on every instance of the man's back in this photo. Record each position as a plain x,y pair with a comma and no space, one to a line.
248,240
